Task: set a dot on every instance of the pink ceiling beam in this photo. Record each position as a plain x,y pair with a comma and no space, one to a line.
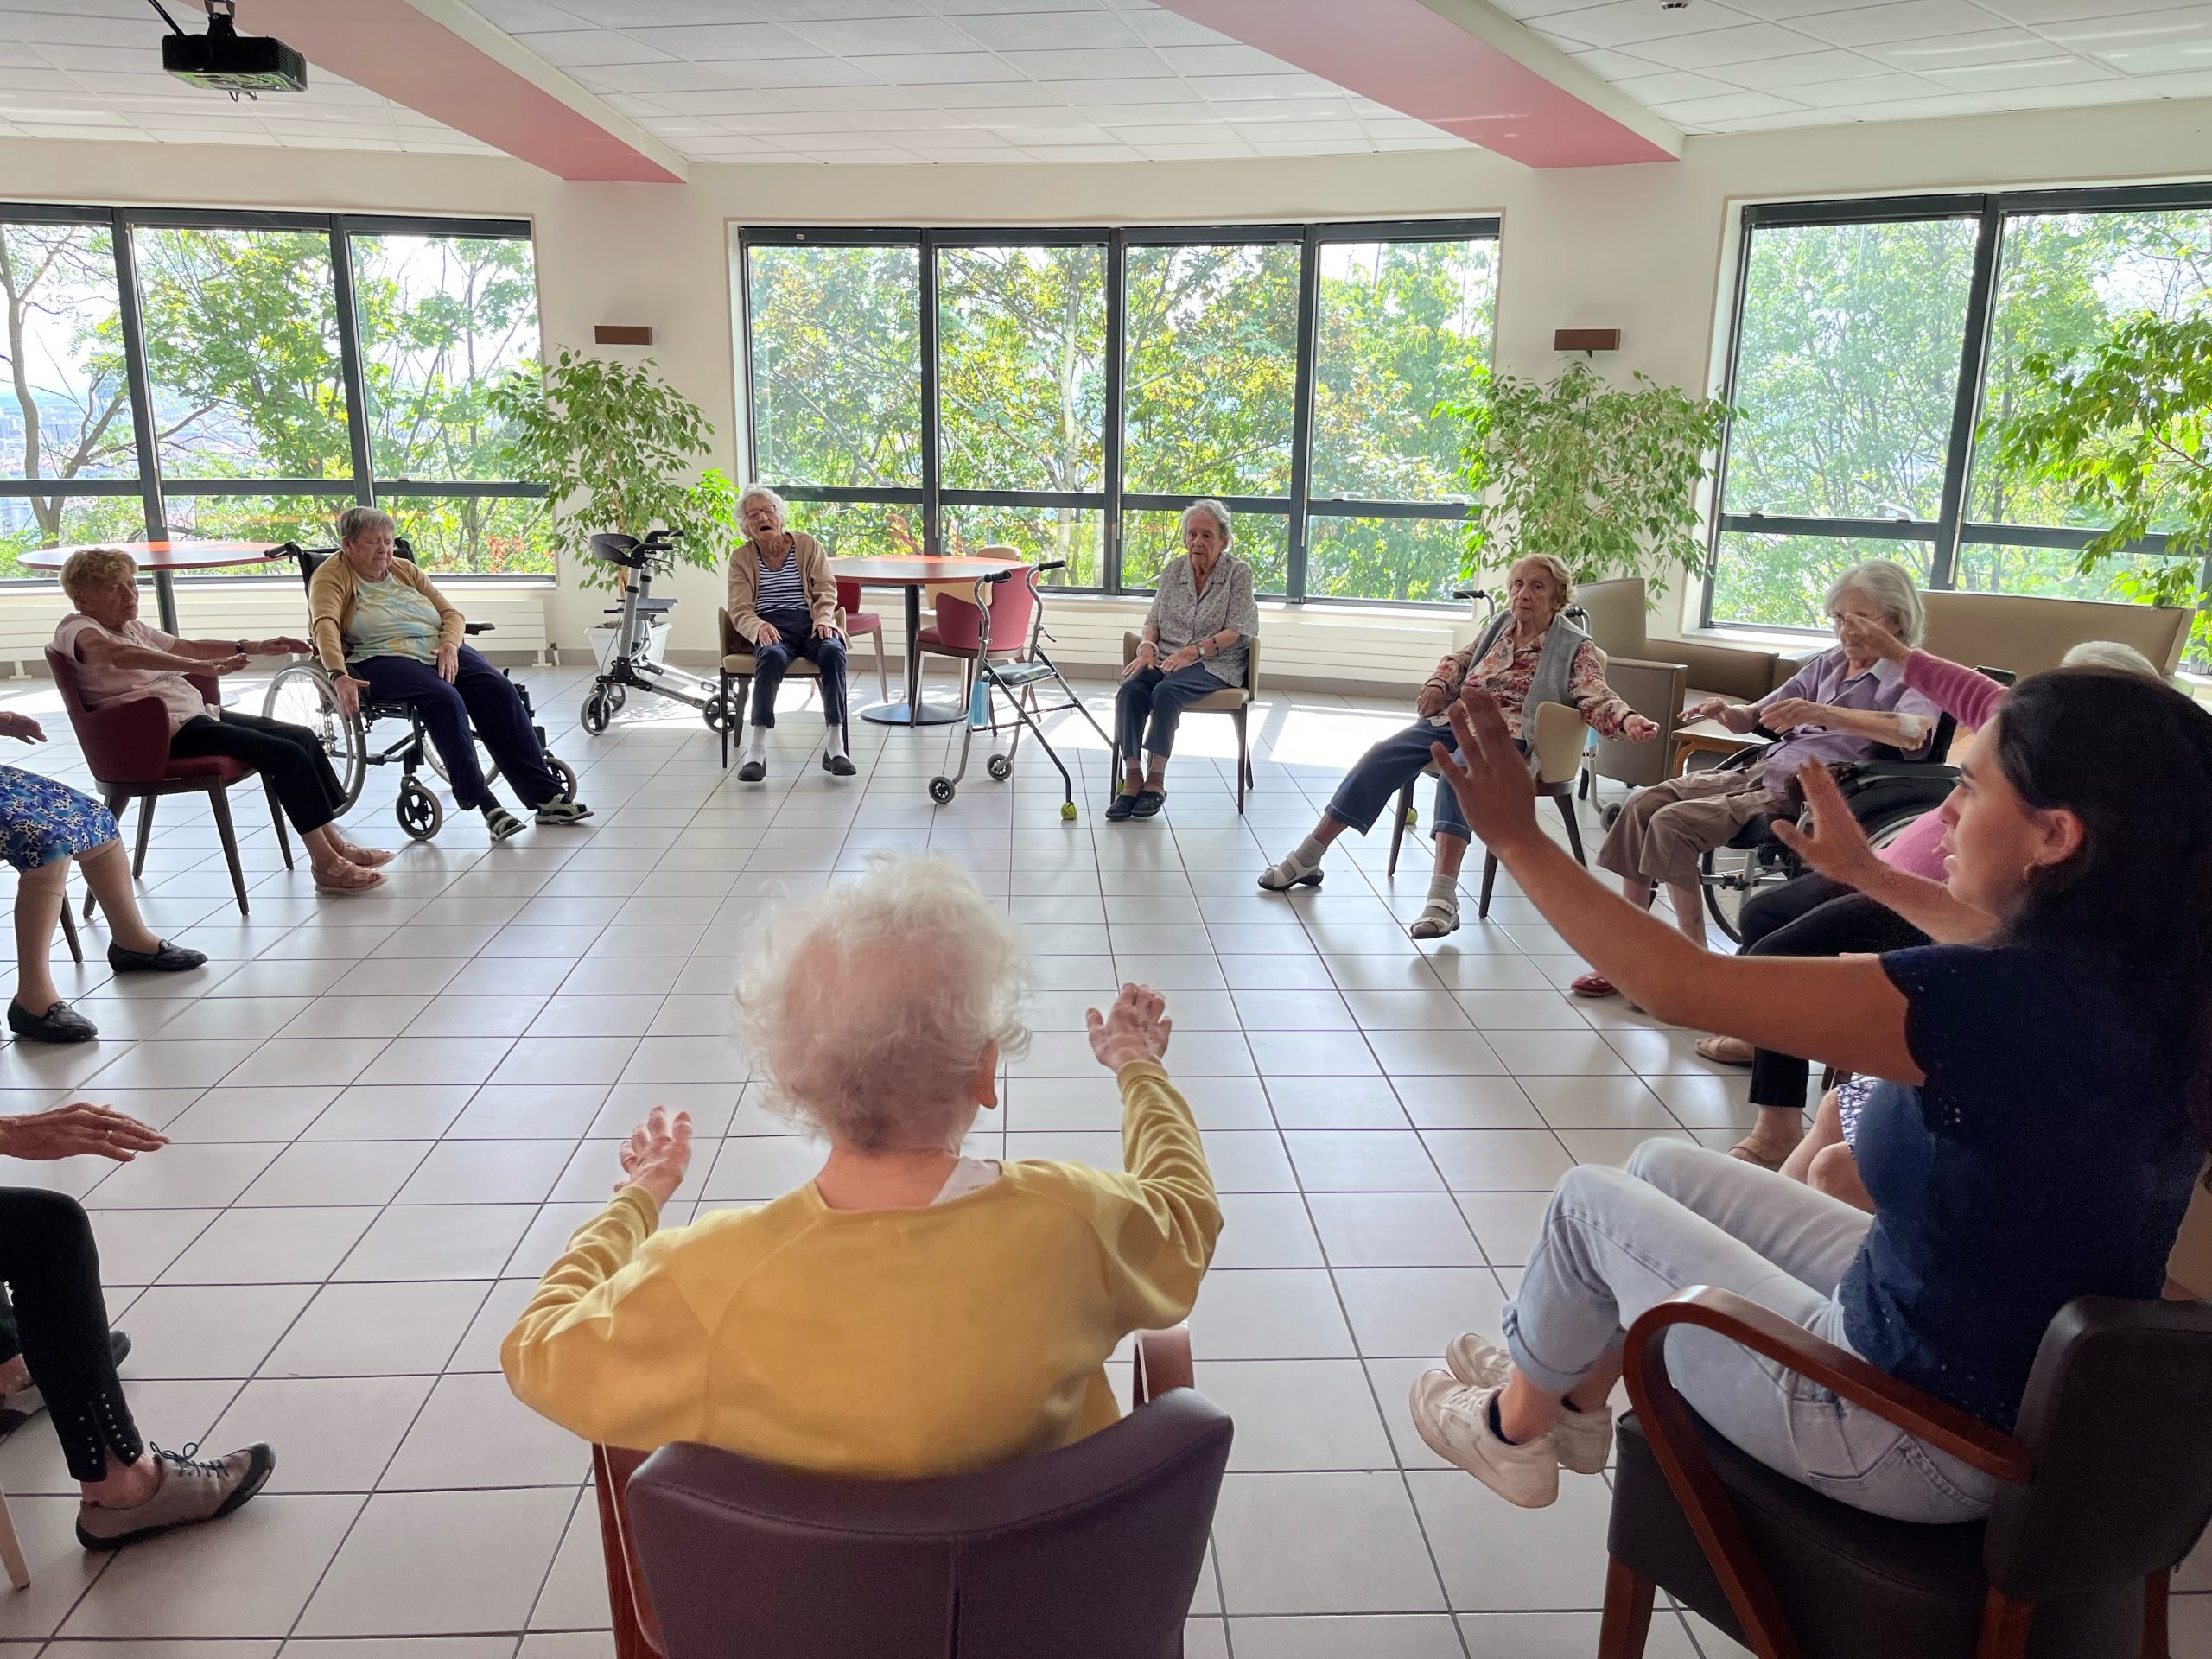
1403,53
394,49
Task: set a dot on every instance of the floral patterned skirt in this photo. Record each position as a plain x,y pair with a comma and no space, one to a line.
41,820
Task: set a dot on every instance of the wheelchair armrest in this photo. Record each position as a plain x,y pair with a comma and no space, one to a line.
477,627
1934,770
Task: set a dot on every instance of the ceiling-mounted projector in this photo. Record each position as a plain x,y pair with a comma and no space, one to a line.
228,61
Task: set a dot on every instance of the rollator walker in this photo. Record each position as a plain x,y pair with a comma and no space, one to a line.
633,660
1016,675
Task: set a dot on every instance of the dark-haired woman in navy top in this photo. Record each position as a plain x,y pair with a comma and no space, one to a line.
2046,1101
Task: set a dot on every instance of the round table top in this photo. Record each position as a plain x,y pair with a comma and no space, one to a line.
164,555
893,572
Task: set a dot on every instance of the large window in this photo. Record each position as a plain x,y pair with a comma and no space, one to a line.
1870,340
248,375
1067,393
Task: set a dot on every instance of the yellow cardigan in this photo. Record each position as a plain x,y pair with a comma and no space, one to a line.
891,1344
335,592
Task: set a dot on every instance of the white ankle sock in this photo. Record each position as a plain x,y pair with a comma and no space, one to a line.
835,746
1308,852
756,747
1443,889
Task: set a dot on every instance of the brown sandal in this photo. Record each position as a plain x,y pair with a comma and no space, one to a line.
339,878
369,858
1743,1149
1724,1051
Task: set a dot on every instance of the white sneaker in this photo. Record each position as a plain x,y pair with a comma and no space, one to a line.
1454,1420
1281,878
1582,1440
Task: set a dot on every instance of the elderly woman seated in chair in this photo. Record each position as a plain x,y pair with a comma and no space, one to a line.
1530,654
911,1311
123,660
1843,705
784,599
379,626
1193,645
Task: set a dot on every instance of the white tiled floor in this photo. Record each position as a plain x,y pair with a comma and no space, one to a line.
389,1112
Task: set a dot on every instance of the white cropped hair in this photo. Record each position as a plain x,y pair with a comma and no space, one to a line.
1889,585
761,493
2110,653
868,1012
1213,510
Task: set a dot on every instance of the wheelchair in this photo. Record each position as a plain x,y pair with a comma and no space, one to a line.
1885,792
303,695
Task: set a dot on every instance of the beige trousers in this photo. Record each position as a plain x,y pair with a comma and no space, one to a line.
1666,827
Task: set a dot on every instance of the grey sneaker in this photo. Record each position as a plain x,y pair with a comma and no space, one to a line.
562,809
1454,1419
1583,1440
190,1492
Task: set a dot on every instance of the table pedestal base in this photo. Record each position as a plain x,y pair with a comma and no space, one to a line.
901,714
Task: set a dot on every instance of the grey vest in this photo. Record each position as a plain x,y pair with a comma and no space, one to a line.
1554,664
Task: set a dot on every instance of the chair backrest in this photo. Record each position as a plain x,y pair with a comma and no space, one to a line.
1014,605
1615,614
2118,1419
849,594
1656,692
2028,634
1089,1552
125,742
1557,735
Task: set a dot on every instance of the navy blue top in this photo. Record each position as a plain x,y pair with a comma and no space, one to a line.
2047,1156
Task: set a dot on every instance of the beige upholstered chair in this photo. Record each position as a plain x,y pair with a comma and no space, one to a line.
2028,634
1234,701
1559,739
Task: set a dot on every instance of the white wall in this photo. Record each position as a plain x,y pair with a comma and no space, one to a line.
1642,249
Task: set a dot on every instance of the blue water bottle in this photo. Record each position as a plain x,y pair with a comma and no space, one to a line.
979,704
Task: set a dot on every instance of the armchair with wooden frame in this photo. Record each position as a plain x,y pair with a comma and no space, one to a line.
2107,1486
126,746
1089,1551
1234,701
737,677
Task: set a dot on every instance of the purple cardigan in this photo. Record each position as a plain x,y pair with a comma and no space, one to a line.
1969,698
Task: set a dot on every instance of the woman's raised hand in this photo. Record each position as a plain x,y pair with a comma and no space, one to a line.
13,724
657,1153
1838,847
1637,729
1135,1028
1490,775
78,1129
1862,636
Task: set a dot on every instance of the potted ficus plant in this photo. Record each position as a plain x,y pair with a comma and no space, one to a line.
1602,476
616,447
2122,436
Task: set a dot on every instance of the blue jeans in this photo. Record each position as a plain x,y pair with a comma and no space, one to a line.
1615,1243
480,696
1388,768
797,638
1163,697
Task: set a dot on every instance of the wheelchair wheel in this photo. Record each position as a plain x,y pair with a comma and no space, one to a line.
1000,767
941,790
485,764
565,774
1729,876
418,808
598,709
301,695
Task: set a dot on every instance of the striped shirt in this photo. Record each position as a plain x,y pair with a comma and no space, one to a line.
780,588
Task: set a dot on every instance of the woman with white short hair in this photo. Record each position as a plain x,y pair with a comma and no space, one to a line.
784,599
912,1310
1194,645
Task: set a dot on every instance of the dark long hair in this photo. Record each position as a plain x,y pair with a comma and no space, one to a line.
2132,760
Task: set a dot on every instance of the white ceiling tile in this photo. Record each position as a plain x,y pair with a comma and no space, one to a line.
1082,137
651,77
917,119
1295,109
1050,31
1166,90
730,100
1317,147
991,95
1161,28
1673,87
513,16
856,98
1695,110
1432,140
1961,51
2037,12
1107,114
1608,65
1904,20
1073,154
2142,43
1632,22
969,138
1210,60
98,60
1201,132
1132,63
1033,117
575,48
783,74
1777,123
885,36
1194,152
2056,71
1715,49
55,28
928,68
706,44
832,11
1780,74
1848,95
1222,89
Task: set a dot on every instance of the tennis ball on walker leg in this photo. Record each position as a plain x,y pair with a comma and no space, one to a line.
1067,811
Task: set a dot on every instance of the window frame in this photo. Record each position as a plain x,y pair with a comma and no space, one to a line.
149,484
1994,213
1112,501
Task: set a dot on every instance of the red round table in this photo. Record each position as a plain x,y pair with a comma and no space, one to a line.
163,557
910,575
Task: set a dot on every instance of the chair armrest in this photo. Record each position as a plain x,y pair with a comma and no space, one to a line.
1559,734
1163,1363
1130,641
637,1627
127,742
477,627
1705,1501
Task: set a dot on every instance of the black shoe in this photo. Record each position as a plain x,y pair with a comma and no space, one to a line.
752,771
841,764
163,958
59,1024
1148,802
1122,805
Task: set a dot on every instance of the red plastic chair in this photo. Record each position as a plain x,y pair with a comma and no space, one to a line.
126,745
959,628
858,622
